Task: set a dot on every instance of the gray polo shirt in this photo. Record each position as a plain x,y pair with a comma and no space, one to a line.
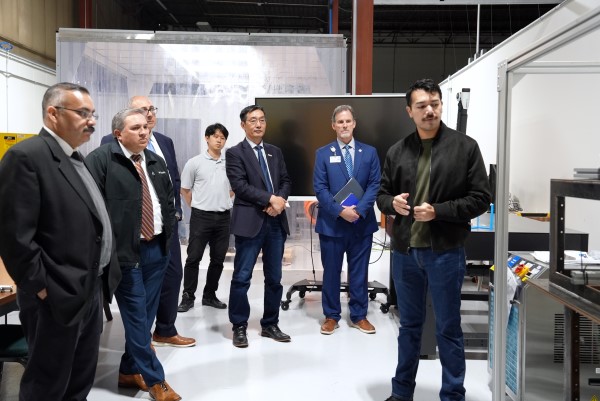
208,181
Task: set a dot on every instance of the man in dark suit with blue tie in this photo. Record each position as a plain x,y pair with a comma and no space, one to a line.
259,179
165,333
345,229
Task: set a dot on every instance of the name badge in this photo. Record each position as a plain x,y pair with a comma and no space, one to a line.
335,159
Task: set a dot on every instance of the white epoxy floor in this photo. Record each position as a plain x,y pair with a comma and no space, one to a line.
347,365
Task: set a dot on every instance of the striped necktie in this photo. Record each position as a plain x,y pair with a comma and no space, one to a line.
147,209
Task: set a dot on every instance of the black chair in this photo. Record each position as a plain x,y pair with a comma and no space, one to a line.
13,347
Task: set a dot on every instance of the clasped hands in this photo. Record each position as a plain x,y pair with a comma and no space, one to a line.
424,212
349,214
276,206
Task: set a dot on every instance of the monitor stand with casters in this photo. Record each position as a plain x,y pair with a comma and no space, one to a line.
304,286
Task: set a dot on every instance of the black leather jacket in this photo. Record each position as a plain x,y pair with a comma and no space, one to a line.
458,190
119,182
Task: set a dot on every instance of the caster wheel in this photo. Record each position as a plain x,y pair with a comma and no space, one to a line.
285,305
301,294
372,295
384,308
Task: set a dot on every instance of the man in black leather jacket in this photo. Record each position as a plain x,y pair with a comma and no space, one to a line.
434,182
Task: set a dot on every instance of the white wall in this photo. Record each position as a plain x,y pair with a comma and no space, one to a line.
552,115
22,86
481,75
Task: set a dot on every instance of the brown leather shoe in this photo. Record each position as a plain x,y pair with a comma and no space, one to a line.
364,326
329,326
175,341
163,392
132,381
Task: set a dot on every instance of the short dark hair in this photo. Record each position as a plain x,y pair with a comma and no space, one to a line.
422,84
213,128
250,109
54,94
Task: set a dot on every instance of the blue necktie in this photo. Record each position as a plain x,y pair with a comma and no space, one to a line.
150,146
348,160
263,167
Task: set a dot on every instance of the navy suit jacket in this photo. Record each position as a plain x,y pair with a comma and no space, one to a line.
168,149
50,229
329,178
247,182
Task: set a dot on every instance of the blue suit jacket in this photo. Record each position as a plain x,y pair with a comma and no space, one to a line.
248,184
330,177
168,149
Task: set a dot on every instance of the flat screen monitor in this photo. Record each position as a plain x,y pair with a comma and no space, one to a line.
301,125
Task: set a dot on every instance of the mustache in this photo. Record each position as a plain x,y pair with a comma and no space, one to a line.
91,130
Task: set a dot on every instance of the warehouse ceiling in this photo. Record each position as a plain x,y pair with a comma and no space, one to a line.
397,24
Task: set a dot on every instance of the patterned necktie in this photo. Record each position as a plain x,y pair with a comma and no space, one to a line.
147,210
263,167
348,160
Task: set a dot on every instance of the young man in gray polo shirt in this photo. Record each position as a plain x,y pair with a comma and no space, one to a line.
206,189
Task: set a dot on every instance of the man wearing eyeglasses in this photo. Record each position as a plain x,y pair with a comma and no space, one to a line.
259,179
165,333
57,244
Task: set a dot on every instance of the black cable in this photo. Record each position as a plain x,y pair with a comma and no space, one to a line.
312,217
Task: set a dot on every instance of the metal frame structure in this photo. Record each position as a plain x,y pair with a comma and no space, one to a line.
507,70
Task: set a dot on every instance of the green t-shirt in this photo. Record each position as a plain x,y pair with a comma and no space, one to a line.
420,236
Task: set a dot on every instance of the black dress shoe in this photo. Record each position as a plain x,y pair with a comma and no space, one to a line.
240,339
214,302
276,334
186,304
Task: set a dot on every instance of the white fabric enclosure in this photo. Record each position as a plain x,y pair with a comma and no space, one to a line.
196,79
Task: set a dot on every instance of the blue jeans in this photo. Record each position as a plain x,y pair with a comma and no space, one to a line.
137,295
271,239
442,273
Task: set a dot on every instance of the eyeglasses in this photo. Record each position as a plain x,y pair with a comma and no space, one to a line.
254,121
152,110
88,115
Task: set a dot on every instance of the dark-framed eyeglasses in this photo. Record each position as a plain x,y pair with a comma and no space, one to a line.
88,115
152,110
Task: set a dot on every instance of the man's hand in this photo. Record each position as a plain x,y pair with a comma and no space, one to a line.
400,204
425,212
276,206
349,214
42,294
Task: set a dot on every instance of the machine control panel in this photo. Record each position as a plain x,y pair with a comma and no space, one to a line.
525,268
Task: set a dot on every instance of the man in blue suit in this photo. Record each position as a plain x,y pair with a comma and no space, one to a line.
345,229
165,333
259,179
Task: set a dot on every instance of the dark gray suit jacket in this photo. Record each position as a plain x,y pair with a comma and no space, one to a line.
247,182
50,230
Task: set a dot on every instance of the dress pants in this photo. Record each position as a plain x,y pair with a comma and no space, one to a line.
271,239
62,360
210,228
358,250
169,293
137,295
441,273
